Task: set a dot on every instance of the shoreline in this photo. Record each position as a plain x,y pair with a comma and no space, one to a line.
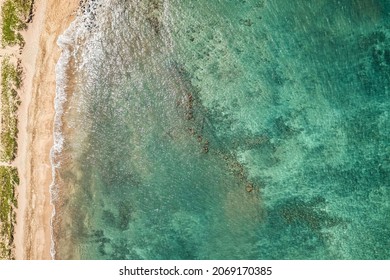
36,119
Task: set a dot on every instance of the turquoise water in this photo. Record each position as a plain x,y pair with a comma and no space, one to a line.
224,130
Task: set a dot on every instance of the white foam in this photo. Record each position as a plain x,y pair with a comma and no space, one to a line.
78,30
82,42
64,43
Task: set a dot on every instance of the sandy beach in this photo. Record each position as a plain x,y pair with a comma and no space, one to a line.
36,115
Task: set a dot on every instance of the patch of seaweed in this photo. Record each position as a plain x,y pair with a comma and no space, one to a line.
154,14
200,126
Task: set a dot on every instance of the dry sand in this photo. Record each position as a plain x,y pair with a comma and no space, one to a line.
36,119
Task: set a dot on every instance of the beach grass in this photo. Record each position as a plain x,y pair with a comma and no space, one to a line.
15,15
8,181
11,79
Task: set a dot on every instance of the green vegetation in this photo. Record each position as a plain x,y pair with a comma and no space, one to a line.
11,79
15,15
8,181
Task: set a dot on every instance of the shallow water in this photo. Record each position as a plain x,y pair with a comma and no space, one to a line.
224,130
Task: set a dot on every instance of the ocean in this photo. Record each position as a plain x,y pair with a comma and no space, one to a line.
236,129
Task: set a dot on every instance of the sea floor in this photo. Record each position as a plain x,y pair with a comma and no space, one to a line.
225,130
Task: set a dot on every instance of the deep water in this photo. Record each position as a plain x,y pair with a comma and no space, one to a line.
240,129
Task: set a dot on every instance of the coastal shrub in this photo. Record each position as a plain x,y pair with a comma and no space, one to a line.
11,79
15,15
24,8
8,181
10,24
